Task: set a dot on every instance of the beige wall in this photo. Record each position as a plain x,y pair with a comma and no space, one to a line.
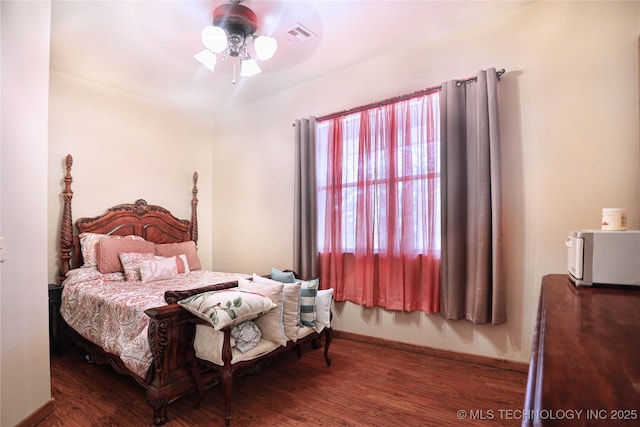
125,148
569,134
24,340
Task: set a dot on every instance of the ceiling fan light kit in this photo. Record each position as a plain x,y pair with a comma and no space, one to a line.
233,25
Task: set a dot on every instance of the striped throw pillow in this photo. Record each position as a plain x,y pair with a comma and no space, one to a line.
308,292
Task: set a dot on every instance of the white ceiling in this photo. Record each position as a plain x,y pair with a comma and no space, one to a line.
147,47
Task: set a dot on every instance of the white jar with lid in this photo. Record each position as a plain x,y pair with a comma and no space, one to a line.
614,219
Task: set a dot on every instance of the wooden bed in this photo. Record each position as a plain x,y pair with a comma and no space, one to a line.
175,370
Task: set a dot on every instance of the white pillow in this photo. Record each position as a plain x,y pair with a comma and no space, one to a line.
271,323
160,268
291,307
323,309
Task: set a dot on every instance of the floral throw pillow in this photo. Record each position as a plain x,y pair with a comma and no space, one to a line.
227,307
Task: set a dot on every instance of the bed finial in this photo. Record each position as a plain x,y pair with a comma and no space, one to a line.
194,208
66,226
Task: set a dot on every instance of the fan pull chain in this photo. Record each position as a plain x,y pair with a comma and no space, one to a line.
234,73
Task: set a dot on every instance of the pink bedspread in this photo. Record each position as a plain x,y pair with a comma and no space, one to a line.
109,311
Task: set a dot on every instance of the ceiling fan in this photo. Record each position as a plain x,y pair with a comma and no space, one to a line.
232,27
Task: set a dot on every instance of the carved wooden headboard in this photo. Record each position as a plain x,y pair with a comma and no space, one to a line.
153,223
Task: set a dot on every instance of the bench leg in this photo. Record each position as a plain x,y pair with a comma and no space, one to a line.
227,384
328,336
197,377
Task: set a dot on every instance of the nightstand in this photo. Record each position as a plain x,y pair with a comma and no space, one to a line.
55,320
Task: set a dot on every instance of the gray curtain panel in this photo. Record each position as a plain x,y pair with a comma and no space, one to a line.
305,248
472,277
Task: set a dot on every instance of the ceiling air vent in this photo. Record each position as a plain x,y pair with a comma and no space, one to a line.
299,33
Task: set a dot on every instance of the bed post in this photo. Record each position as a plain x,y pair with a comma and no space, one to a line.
194,209
66,226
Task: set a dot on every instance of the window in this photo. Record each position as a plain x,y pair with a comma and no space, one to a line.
378,180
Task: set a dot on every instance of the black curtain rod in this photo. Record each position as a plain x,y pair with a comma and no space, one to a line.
400,98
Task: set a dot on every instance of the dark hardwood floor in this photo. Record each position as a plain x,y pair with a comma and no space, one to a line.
367,385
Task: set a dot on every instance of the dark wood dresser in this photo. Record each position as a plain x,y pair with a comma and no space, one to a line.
585,357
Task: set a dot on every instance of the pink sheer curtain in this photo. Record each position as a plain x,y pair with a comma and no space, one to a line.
378,205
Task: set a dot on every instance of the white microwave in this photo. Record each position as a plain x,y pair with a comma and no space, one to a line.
597,257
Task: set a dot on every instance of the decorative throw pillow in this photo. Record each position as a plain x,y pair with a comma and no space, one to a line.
131,264
89,246
161,268
188,248
291,306
308,292
246,335
281,276
271,323
228,307
109,249
323,309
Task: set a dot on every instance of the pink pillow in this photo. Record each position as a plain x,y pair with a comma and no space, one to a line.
131,264
109,249
188,248
161,268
